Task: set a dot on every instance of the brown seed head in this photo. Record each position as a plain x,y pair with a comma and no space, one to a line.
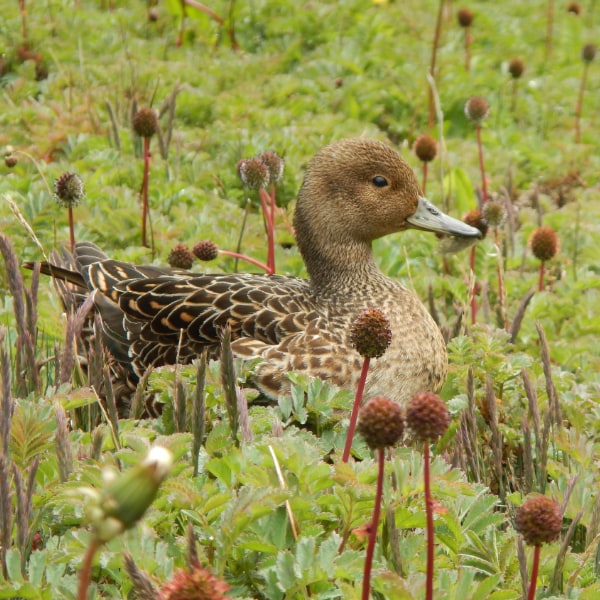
574,8
494,213
68,190
206,250
427,416
370,333
516,67
588,53
145,122
539,520
10,160
544,243
425,148
474,218
465,17
477,109
254,173
274,163
197,584
181,257
381,422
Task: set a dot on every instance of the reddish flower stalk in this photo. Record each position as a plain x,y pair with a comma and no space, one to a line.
355,408
85,574
434,49
534,573
144,191
587,54
71,229
474,287
253,261
267,202
430,531
374,524
481,165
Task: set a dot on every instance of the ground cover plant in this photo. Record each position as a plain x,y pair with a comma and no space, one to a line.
258,502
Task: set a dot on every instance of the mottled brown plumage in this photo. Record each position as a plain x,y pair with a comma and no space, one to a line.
354,192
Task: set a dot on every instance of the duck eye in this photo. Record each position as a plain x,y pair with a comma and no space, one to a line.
379,181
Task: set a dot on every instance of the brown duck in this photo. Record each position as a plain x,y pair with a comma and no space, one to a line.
354,191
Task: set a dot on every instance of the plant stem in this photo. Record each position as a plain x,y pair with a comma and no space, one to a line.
355,408
253,261
474,288
238,248
144,191
86,569
468,48
71,229
580,104
374,524
541,279
268,208
549,27
429,515
481,165
436,41
424,186
534,573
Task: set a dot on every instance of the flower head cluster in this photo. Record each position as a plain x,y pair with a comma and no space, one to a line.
427,416
588,53
181,257
68,190
145,122
544,243
259,171
475,218
381,422
465,17
539,520
516,67
477,109
425,148
494,213
206,250
196,584
370,333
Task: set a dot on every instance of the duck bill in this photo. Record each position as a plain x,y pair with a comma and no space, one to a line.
429,218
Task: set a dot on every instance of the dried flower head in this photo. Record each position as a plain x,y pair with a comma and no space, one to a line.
574,8
539,520
68,190
465,17
10,160
197,584
516,67
381,422
544,243
206,250
145,122
370,333
494,213
425,148
588,53
181,257
477,109
274,163
254,173
427,415
475,218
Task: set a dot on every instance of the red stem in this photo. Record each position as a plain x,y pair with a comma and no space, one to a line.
207,11
374,524
429,515
86,569
145,189
534,573
580,103
355,408
541,280
500,279
247,259
549,27
474,288
468,48
71,229
268,208
436,41
424,186
481,166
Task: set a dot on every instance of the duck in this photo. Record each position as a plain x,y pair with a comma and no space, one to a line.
354,192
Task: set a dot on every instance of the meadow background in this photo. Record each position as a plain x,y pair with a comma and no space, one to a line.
291,77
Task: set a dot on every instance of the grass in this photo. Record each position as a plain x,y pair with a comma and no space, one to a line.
525,411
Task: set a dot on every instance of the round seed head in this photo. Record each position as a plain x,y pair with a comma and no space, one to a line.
465,17
254,173
181,257
427,416
274,163
68,190
381,422
544,243
425,148
370,333
539,520
10,160
145,122
588,53
196,584
494,213
206,250
516,67
477,109
474,218
574,8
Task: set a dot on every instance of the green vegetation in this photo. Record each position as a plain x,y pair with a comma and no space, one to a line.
261,498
